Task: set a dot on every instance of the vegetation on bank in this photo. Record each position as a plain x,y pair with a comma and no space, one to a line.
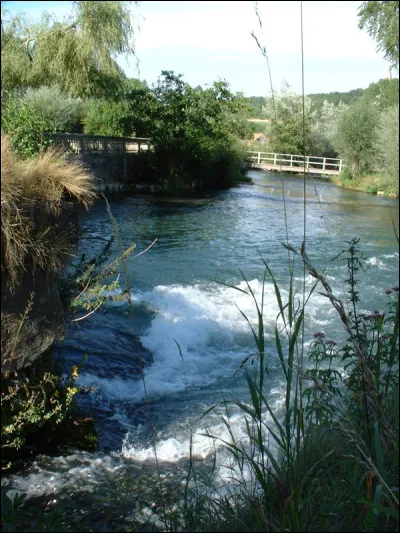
329,462
33,190
42,182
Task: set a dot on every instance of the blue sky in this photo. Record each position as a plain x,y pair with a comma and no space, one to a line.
210,40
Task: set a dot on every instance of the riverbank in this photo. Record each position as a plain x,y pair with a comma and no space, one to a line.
372,183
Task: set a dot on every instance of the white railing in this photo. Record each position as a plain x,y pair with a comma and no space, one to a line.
292,160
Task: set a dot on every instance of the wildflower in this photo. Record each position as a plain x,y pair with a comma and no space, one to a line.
388,291
75,371
319,335
331,343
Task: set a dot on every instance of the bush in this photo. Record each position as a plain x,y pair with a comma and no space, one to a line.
59,111
104,117
24,127
26,117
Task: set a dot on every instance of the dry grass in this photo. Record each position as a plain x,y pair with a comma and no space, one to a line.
31,191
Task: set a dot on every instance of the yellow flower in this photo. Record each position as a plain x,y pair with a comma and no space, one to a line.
75,371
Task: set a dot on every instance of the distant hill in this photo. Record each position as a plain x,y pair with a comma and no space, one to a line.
257,102
385,92
334,98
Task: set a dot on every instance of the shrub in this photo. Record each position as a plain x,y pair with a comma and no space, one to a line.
59,111
104,117
355,138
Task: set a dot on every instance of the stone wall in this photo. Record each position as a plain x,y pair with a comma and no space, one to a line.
22,342
121,172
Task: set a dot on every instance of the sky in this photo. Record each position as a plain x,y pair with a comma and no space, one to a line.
211,40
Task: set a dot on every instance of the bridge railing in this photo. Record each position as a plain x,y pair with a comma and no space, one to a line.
293,160
89,144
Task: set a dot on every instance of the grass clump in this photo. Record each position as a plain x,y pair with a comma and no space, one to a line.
32,192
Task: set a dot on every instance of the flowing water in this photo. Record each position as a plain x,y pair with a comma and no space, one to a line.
189,333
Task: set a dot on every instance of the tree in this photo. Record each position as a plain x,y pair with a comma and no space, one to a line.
384,94
381,20
26,116
105,117
388,147
324,122
79,54
195,132
356,137
289,130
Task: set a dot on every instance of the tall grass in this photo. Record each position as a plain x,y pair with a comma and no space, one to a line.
330,461
32,192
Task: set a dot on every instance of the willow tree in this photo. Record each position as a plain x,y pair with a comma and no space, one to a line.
78,54
381,20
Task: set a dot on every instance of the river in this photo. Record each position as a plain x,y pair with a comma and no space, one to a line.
180,297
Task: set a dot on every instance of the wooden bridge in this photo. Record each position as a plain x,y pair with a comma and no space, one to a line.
295,163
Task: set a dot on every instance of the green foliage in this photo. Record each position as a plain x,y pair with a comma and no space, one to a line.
195,132
257,104
324,124
381,21
336,98
141,107
105,117
388,147
356,136
288,133
59,111
27,404
25,125
26,116
86,287
383,94
78,54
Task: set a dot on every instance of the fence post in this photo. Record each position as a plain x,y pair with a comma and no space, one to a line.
259,158
291,160
323,163
308,161
275,159
340,165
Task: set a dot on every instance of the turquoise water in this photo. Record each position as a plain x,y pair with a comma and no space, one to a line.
180,296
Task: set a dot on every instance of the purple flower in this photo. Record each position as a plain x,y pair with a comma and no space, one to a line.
330,343
388,291
374,315
319,335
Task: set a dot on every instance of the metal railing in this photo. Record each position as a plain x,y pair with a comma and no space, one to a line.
292,160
